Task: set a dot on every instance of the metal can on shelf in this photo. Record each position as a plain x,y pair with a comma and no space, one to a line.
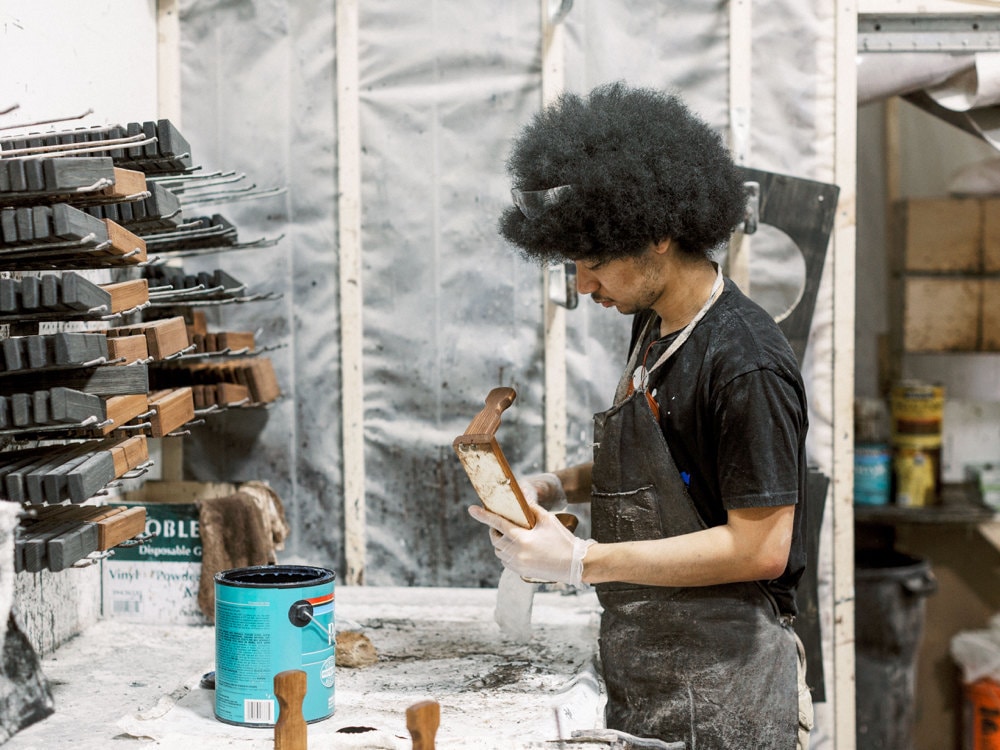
916,414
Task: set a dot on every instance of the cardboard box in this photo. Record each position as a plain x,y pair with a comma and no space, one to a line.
157,581
991,235
941,314
940,234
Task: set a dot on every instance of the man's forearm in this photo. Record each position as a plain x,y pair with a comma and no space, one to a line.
752,546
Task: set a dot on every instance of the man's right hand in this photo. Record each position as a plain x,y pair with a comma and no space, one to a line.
545,490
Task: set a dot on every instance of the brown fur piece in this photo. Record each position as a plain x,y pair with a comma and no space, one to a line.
237,531
355,650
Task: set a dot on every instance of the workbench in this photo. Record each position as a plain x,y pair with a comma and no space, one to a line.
128,685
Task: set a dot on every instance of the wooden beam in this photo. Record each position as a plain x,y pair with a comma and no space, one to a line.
556,421
351,298
842,271
740,92
168,61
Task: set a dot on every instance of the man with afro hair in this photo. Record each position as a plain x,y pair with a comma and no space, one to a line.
697,483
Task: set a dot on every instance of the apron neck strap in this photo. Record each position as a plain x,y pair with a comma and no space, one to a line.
622,391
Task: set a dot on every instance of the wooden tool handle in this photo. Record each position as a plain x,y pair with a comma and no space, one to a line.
487,421
422,721
290,731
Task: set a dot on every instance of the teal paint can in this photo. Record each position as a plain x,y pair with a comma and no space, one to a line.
268,619
872,474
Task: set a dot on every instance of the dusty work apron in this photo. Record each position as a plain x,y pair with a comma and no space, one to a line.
712,666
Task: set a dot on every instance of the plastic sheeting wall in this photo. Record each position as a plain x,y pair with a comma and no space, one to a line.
449,312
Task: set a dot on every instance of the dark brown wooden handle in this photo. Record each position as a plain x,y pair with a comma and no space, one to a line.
422,721
291,730
487,421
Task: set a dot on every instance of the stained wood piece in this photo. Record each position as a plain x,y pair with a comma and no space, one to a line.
132,129
123,409
129,454
162,207
27,530
71,224
41,219
124,242
70,348
128,182
54,482
25,225
9,293
38,351
18,179
235,340
50,292
121,527
172,145
165,337
11,462
290,730
33,175
90,476
486,465
129,348
20,408
31,293
62,550
69,173
8,226
171,410
81,294
263,383
105,380
33,476
40,407
34,547
126,295
68,405
422,720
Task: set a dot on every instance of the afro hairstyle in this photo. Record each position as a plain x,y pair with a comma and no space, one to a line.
640,168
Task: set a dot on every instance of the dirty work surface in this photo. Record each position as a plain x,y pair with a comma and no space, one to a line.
123,685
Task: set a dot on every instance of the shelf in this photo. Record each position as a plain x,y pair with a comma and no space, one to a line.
961,504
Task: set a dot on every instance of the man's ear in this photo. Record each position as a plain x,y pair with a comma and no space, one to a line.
663,246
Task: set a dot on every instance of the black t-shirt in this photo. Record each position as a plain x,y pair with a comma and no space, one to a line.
733,412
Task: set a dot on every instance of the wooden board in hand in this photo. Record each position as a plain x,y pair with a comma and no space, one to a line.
486,465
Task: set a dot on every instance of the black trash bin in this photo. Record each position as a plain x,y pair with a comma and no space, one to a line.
890,589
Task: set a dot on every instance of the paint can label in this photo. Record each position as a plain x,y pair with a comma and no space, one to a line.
872,474
917,410
916,473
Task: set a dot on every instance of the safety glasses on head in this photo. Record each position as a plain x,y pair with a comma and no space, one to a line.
533,203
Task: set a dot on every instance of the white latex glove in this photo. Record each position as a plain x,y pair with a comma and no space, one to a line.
543,489
546,552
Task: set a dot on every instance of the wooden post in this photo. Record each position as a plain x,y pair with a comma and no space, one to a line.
291,730
740,90
422,721
351,331
841,270
553,82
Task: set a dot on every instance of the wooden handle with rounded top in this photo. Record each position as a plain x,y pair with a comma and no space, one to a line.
422,721
291,730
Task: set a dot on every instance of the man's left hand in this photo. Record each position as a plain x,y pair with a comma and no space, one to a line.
548,551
